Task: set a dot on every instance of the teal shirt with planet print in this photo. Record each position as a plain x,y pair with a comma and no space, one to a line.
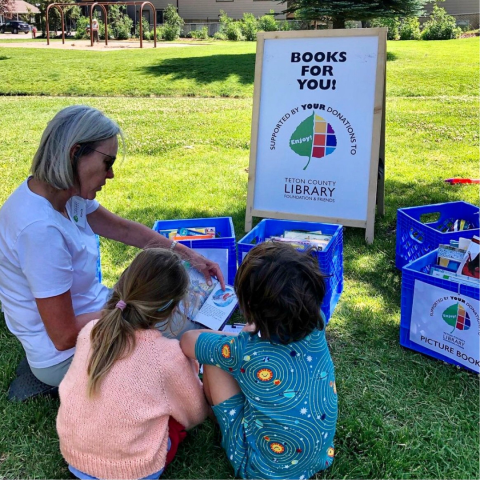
283,422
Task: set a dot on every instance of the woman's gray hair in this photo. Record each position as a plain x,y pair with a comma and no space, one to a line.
78,124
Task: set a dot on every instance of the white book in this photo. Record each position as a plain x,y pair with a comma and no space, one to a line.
452,277
235,328
208,305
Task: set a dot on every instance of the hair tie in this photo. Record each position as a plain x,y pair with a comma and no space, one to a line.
161,309
121,305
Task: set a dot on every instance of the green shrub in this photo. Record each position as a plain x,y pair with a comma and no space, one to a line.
122,27
230,28
285,26
81,31
410,29
101,31
267,23
441,26
393,25
233,31
199,34
120,24
145,29
351,24
219,36
84,22
170,33
249,27
160,33
173,23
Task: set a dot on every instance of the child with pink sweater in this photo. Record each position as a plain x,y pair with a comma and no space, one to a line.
130,392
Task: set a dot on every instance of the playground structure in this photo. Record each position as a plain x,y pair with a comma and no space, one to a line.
104,7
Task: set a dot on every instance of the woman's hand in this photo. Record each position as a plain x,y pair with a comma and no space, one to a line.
109,225
207,267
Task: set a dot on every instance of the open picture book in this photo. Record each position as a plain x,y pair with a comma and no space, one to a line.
208,305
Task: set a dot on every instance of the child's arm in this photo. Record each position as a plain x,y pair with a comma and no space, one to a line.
189,339
183,388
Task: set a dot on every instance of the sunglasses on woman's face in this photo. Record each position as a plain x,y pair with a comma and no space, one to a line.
108,163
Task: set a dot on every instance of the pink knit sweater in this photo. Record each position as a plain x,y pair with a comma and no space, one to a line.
122,432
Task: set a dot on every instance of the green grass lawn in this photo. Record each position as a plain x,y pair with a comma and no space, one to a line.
401,414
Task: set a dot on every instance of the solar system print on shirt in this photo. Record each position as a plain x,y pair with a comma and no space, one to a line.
283,423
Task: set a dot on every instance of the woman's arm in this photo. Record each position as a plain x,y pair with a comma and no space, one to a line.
60,321
107,224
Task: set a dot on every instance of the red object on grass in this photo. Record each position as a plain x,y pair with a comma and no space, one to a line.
453,181
177,434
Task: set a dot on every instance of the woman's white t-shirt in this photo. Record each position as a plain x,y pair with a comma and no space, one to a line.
44,254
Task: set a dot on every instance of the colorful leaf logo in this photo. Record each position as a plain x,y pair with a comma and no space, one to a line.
457,317
314,137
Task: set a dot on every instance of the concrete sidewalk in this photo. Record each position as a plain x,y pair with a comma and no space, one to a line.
73,44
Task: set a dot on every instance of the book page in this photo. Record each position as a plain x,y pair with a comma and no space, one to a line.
198,292
217,308
235,328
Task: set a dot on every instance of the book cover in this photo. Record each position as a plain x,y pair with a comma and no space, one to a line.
301,245
193,237
208,305
168,232
300,235
449,257
469,266
439,272
196,231
317,239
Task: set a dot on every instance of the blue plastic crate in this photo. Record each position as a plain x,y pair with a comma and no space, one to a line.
419,270
330,260
415,238
226,240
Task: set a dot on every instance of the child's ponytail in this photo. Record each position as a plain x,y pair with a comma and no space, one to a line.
147,293
112,338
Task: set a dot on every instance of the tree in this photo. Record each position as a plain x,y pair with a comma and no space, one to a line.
71,13
6,7
339,11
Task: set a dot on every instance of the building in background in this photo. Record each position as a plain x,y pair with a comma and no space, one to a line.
21,10
466,12
208,11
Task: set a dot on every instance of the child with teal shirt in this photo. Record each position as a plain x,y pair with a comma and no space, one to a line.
272,387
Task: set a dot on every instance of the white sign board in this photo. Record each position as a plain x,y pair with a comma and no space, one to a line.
446,323
316,126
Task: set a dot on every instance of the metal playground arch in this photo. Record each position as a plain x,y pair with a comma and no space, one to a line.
104,6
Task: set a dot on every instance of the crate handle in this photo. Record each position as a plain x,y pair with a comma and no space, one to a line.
416,235
430,217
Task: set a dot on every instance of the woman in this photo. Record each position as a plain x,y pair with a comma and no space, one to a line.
48,284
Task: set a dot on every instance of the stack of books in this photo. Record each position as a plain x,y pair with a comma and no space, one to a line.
303,240
197,233
457,225
459,261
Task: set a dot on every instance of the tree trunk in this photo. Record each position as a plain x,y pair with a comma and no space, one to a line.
338,22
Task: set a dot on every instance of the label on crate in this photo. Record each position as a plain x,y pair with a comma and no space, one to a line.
447,323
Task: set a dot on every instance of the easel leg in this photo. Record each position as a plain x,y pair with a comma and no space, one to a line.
248,221
369,231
